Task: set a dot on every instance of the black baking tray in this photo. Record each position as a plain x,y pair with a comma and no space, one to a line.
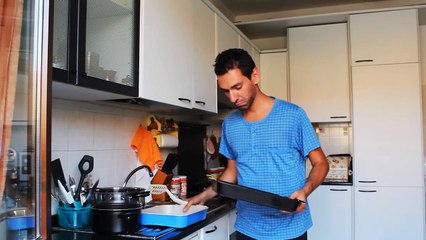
256,196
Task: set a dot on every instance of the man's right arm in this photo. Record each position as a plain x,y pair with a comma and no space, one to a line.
229,175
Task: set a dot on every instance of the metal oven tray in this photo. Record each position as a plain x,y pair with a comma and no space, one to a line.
256,196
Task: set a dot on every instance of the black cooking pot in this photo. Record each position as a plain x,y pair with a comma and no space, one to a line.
119,195
115,218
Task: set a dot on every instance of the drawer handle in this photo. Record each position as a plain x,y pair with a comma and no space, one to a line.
187,100
210,231
366,60
367,191
338,190
334,117
201,103
370,181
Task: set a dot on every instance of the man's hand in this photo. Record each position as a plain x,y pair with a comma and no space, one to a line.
301,196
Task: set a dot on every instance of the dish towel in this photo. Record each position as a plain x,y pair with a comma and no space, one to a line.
144,144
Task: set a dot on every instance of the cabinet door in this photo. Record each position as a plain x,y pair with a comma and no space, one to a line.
216,230
319,71
384,37
193,236
331,211
226,36
94,46
166,52
389,213
204,80
387,122
273,74
232,219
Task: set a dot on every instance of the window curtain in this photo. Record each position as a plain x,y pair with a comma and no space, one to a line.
10,36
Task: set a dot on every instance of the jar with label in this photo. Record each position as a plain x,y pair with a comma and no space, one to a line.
175,186
183,186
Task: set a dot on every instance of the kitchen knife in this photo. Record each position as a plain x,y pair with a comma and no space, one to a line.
68,196
58,173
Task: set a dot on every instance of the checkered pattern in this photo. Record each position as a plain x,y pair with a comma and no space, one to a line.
270,155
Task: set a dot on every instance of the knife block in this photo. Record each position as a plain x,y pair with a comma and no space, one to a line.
164,179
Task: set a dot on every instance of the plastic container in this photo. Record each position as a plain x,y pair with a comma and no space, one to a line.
74,218
20,218
173,215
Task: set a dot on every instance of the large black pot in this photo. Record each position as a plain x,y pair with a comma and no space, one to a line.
119,195
114,218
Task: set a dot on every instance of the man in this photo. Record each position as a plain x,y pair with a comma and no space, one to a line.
267,142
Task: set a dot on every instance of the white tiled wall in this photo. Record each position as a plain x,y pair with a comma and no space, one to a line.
104,132
335,138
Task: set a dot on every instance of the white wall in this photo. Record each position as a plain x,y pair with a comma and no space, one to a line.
422,34
104,132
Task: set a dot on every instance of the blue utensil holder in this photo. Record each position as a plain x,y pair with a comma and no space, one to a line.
69,217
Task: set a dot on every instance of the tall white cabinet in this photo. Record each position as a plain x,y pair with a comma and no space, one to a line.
319,71
389,196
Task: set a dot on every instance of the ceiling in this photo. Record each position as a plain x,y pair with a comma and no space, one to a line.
265,22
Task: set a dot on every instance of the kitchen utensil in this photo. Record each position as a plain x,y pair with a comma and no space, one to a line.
86,160
67,195
159,189
90,194
170,163
71,182
58,173
116,195
173,215
114,218
256,196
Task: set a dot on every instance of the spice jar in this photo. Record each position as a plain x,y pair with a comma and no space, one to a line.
183,186
175,186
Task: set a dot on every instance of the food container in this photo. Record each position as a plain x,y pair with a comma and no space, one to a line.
173,215
71,218
20,218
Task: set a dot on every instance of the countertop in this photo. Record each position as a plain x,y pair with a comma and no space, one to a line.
218,207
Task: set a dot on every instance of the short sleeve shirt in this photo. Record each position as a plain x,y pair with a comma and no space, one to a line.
270,155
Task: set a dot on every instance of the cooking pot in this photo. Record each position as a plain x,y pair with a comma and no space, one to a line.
122,195
115,218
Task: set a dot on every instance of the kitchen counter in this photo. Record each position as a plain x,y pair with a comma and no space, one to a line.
218,207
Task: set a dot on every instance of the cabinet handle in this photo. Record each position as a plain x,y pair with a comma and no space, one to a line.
372,181
201,103
367,191
187,100
333,117
338,190
210,231
365,60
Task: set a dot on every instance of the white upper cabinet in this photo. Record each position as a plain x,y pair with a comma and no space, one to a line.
166,52
387,123
205,86
384,37
273,74
226,36
319,71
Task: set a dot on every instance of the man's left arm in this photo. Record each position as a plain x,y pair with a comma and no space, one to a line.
316,176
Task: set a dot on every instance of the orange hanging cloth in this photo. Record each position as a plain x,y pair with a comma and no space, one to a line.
144,144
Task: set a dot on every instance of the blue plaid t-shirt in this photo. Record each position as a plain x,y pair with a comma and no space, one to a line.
270,156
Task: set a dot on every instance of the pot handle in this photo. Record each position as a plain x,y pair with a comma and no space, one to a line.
126,216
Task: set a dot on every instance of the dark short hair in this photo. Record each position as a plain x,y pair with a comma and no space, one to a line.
234,58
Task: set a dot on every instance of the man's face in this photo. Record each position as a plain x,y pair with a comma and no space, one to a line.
239,89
